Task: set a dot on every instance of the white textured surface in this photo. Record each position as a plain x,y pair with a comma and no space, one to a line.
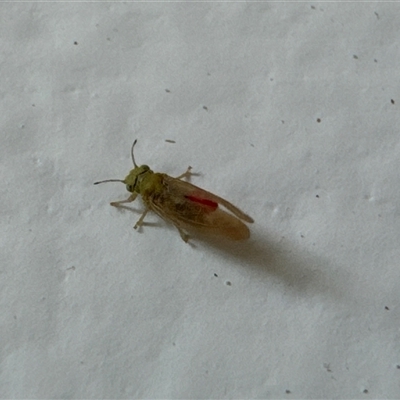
89,308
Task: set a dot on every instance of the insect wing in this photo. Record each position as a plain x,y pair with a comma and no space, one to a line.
203,196
189,206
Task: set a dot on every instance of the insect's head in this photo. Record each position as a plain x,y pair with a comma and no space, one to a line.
135,176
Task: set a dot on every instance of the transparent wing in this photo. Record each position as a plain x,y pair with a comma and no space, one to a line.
189,206
179,187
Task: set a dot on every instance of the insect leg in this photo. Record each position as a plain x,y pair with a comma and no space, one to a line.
131,198
184,235
186,174
140,221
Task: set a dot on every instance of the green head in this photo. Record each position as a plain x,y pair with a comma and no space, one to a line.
135,176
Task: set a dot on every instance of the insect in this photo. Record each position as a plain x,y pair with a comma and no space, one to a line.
187,206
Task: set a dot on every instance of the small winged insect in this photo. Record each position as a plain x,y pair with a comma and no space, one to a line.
187,206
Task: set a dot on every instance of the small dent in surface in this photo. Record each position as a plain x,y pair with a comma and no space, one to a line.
327,367
369,197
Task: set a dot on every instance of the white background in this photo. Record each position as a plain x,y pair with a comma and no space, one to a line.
290,111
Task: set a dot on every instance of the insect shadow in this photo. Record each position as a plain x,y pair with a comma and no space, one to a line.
267,258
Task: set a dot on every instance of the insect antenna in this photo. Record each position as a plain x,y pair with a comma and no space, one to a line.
109,180
133,158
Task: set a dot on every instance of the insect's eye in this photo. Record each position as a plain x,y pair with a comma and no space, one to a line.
129,188
145,167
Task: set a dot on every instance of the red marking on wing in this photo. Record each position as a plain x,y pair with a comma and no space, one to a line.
204,202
